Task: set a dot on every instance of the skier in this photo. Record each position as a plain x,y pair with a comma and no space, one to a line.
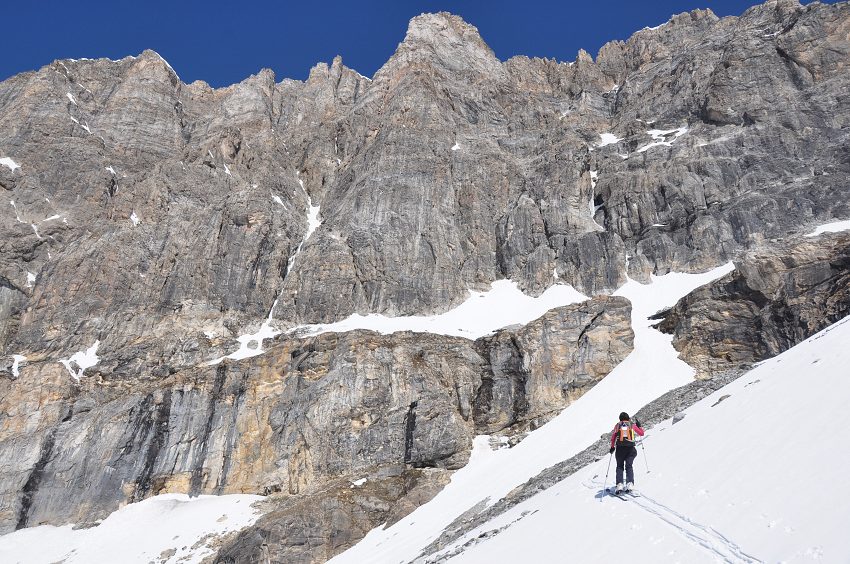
623,441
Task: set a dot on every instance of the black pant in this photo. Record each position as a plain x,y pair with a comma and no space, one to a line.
625,456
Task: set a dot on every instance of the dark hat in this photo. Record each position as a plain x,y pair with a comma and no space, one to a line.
624,416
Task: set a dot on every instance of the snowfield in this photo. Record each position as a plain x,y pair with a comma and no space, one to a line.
167,528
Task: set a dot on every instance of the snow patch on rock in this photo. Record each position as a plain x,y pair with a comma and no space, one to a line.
9,163
17,214
17,359
833,227
661,136
251,344
82,360
608,139
313,223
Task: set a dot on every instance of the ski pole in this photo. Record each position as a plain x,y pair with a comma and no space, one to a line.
643,448
605,483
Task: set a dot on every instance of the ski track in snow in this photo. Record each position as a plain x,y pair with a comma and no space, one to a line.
702,535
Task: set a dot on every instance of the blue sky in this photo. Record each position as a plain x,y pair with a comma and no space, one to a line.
224,42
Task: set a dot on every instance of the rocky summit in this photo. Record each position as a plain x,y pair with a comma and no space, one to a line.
169,251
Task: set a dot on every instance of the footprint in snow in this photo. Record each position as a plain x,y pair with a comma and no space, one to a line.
815,553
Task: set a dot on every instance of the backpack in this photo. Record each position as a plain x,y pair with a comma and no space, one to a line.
625,434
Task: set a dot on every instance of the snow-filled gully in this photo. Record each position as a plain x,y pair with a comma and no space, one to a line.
251,344
313,223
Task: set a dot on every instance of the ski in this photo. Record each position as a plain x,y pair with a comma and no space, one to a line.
613,493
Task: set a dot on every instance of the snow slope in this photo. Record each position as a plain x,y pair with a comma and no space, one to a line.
648,372
748,475
502,305
141,532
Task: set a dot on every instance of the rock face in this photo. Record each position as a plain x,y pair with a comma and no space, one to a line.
314,528
163,219
772,301
150,223
308,412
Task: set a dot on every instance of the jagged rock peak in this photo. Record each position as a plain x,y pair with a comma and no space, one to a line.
442,27
698,15
445,41
321,71
151,58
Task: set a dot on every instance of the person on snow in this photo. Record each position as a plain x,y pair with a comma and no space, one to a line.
623,441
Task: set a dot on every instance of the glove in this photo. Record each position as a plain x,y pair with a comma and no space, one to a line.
611,450
637,422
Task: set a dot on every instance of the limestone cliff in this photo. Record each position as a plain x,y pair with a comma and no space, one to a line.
151,223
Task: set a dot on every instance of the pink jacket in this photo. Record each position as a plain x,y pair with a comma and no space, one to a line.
636,429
